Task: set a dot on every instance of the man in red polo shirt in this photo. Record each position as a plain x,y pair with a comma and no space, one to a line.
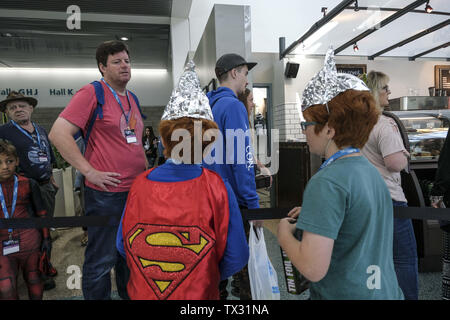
114,157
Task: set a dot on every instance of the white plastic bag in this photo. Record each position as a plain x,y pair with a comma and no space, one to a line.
263,277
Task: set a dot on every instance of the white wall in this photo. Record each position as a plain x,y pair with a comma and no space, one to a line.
403,74
269,20
264,70
153,88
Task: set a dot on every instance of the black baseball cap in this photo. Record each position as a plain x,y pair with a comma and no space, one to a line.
229,61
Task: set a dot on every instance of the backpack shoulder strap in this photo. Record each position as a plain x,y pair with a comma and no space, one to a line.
100,95
138,105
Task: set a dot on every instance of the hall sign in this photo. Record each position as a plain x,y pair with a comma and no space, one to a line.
35,92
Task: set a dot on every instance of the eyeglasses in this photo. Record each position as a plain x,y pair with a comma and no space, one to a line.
305,124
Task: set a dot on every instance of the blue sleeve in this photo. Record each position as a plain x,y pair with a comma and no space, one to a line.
236,252
119,237
243,160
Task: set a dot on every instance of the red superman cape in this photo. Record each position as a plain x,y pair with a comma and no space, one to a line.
175,234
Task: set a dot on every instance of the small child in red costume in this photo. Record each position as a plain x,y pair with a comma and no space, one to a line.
19,248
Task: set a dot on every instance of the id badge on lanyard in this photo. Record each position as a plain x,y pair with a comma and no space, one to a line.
130,135
12,244
42,155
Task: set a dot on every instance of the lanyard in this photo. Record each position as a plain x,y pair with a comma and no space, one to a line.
13,207
25,132
118,100
338,155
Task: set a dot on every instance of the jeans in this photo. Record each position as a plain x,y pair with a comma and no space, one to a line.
101,254
405,256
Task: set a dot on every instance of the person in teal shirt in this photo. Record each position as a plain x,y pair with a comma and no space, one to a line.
346,219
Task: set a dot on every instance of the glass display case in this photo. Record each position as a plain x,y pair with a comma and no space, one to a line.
426,132
418,103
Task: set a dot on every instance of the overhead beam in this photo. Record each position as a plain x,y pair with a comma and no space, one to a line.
410,39
445,45
329,16
383,23
396,9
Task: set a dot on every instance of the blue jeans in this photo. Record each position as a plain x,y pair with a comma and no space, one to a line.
101,254
405,256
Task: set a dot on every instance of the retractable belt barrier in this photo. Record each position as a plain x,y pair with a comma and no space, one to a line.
418,213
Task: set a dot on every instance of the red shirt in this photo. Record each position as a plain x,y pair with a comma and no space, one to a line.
30,239
107,148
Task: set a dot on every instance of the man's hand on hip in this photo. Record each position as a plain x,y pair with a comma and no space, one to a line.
103,179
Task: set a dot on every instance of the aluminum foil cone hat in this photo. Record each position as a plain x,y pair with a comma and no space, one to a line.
328,83
188,99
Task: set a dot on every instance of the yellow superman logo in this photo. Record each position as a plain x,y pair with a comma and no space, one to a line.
166,239
167,254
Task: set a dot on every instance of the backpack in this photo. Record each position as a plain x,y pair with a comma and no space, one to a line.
82,141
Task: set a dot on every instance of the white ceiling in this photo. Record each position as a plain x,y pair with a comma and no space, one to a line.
350,23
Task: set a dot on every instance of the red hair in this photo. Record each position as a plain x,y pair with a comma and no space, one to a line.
167,127
352,115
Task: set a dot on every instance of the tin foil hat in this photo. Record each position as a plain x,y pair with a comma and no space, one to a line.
188,99
328,83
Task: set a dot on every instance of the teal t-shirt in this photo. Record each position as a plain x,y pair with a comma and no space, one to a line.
349,202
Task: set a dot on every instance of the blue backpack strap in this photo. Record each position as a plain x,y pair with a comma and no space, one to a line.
137,103
100,95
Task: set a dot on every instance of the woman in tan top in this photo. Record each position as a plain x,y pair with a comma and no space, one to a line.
386,151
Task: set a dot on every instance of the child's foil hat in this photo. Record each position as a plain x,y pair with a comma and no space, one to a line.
188,99
328,83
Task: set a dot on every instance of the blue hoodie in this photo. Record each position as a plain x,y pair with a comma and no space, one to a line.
236,167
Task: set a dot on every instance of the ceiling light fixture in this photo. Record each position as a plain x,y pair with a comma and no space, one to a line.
123,38
428,8
324,11
355,47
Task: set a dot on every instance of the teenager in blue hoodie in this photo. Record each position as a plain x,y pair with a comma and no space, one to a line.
236,161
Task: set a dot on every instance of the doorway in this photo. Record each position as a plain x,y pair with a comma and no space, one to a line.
262,122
